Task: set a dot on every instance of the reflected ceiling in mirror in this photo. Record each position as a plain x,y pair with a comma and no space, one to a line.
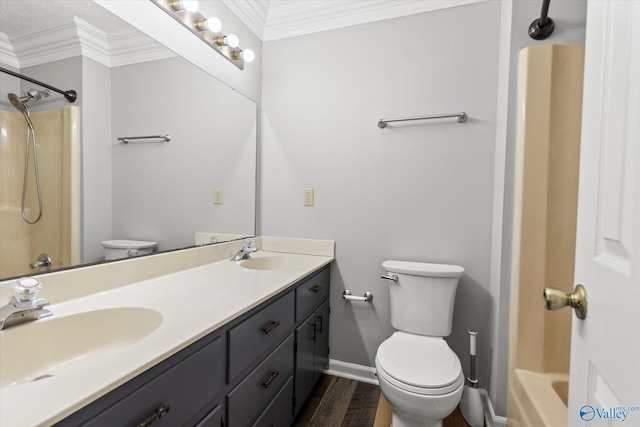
197,188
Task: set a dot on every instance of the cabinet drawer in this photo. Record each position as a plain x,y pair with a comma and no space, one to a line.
250,339
279,412
248,399
311,293
186,388
212,419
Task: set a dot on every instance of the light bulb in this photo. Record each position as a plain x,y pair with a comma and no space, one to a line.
232,40
213,24
189,5
248,55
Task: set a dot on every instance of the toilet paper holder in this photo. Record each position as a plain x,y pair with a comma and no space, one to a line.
368,296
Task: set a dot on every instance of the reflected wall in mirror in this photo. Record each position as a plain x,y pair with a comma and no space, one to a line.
128,85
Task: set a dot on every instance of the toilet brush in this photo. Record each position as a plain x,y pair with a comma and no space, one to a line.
471,403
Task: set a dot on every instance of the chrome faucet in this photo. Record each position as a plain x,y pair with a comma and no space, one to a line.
43,262
245,251
23,306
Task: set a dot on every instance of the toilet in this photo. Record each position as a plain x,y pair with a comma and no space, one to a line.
419,375
118,249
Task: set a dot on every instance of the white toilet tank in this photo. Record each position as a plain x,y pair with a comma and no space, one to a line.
118,249
423,296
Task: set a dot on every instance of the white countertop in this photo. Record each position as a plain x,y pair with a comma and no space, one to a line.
192,302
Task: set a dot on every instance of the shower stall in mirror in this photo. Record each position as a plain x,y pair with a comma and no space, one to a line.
56,202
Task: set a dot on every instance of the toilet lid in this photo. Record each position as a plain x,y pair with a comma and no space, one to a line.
419,362
128,244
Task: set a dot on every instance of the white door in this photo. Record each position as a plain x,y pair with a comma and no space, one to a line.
604,385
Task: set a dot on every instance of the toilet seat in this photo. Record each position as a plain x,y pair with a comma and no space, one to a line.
419,364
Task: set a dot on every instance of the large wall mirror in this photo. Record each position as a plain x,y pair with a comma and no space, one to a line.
197,188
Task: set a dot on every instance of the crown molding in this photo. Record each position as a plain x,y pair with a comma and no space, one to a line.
7,56
131,46
253,13
289,18
278,19
78,38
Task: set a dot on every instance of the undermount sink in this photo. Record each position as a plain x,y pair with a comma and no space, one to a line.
271,262
44,348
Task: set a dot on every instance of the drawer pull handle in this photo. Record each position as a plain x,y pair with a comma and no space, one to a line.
160,412
319,318
315,289
271,379
271,327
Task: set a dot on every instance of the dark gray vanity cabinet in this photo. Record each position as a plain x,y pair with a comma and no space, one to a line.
312,353
311,293
255,371
249,398
182,390
269,395
261,331
278,413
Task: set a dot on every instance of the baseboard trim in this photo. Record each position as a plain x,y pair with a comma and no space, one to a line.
352,371
490,417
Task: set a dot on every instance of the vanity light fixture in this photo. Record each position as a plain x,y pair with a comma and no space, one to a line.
207,29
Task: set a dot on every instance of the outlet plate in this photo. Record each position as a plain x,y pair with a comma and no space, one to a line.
308,196
217,196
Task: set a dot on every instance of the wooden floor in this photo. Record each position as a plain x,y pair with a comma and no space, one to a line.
339,402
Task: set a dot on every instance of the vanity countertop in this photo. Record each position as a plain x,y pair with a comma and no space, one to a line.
188,304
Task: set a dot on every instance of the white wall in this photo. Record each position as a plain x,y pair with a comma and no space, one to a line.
213,145
96,158
420,191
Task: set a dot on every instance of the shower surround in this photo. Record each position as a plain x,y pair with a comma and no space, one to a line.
57,233
546,195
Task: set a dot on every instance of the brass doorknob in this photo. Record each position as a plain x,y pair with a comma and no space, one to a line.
555,300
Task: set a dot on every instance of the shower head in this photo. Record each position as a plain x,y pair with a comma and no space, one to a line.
31,94
17,101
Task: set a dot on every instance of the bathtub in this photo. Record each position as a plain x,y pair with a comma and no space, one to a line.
540,399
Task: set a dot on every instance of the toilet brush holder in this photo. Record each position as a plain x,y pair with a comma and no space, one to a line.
471,402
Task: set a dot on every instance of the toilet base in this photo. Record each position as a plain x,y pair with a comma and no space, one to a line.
398,420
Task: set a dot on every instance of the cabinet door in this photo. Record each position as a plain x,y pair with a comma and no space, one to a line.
305,369
321,351
312,356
